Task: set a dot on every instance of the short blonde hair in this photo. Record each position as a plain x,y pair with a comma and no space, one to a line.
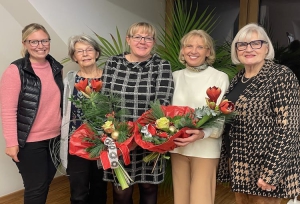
208,43
29,29
146,28
245,34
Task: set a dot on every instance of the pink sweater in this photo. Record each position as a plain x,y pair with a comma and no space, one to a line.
48,119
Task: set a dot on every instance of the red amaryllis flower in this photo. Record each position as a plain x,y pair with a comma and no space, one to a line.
213,93
96,85
81,85
226,107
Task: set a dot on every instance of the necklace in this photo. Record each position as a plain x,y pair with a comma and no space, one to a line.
247,79
198,68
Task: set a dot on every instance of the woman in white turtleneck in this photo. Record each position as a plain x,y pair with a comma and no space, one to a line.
195,160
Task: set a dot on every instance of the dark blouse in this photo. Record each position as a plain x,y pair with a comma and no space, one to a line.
138,84
76,113
233,97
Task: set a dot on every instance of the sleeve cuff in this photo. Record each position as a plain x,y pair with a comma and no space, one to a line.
207,132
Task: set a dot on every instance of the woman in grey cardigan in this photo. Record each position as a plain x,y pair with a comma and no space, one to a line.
86,180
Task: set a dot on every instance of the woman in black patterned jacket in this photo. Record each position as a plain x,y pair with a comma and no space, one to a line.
139,77
260,151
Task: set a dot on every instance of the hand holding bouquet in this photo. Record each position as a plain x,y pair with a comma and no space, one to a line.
159,126
103,136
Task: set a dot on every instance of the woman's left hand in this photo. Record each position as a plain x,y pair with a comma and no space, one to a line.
264,186
194,135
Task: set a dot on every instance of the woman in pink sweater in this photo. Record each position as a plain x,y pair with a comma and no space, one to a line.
31,113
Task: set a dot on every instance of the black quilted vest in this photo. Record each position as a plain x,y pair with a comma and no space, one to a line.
29,97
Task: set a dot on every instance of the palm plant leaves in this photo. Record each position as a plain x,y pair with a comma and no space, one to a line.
182,21
223,61
110,49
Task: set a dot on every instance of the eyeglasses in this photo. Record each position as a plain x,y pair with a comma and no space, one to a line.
81,52
256,44
35,43
139,38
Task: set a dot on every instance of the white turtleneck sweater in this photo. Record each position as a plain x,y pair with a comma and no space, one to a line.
190,90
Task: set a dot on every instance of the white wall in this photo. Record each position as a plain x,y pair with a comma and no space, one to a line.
62,19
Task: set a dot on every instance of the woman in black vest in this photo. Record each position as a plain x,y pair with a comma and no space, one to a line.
31,97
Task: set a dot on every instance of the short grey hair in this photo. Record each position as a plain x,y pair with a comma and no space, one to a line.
84,39
208,43
245,34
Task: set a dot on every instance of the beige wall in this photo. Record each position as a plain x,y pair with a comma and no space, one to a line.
63,18
12,22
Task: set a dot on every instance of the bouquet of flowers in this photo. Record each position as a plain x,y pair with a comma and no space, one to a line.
103,136
159,126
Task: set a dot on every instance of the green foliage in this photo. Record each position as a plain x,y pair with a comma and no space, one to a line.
97,106
156,111
107,49
123,129
183,121
110,49
98,146
223,60
182,21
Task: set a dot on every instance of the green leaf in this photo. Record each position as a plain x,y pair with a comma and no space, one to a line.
183,20
110,49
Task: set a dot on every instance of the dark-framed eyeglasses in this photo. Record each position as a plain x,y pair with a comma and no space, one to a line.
138,38
255,44
35,43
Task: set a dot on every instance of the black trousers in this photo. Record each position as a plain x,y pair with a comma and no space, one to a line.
37,171
86,181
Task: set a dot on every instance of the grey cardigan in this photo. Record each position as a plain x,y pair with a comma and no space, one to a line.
69,82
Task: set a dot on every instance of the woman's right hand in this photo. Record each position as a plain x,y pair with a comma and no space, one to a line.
13,152
194,135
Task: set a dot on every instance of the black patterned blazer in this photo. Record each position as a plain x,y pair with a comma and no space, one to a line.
264,137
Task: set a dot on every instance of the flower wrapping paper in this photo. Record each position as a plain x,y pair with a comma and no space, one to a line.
169,111
77,146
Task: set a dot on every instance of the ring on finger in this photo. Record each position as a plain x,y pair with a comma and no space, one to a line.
268,189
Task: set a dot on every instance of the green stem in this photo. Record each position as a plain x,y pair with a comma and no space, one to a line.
151,157
203,120
121,178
